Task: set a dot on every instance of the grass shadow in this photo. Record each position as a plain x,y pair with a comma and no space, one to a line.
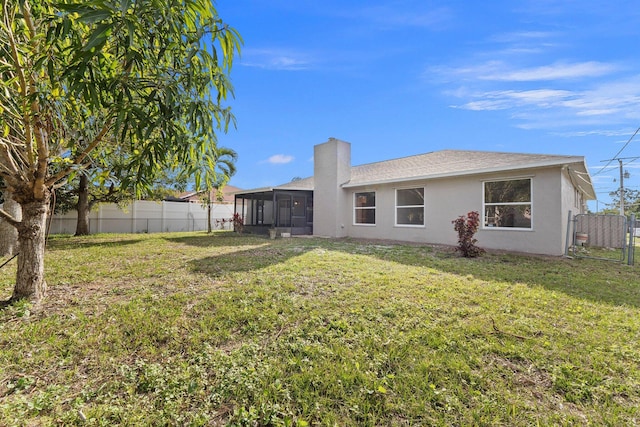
250,259
217,239
64,242
589,279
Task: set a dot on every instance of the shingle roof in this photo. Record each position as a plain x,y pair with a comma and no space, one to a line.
299,184
449,163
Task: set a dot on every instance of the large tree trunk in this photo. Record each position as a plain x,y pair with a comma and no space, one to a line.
8,233
84,207
30,283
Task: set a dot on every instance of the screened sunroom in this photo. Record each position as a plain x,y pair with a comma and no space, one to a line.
288,209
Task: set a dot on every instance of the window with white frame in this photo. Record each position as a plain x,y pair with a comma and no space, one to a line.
507,203
410,207
364,208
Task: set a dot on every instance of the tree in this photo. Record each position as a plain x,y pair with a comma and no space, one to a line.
102,182
631,201
140,77
83,193
224,169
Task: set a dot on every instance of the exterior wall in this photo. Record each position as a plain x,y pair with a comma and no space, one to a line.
571,202
332,168
446,199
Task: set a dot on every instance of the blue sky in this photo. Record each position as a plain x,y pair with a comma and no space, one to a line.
397,78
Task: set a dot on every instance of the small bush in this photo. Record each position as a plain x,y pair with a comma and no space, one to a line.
238,223
466,228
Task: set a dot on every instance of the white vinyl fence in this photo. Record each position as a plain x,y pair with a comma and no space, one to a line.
147,217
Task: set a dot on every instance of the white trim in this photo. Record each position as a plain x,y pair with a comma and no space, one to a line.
530,204
396,207
374,208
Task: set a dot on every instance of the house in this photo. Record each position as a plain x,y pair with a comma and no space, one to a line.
225,196
524,199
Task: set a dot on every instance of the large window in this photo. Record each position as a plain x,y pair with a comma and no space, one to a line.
364,208
410,207
507,204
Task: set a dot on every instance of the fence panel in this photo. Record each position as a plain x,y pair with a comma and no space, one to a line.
147,217
603,231
607,237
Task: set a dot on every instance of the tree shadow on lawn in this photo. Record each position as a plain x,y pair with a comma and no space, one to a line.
64,242
74,242
246,260
595,280
219,239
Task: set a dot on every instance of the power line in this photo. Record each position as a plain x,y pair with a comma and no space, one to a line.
618,153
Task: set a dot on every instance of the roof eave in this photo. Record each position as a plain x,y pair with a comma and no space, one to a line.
549,163
582,180
270,189
255,190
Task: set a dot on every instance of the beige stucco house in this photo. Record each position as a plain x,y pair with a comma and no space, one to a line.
524,199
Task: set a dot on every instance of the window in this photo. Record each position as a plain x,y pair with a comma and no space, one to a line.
507,204
578,198
364,208
410,206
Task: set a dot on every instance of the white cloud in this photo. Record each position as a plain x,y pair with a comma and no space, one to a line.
521,36
596,132
520,76
394,16
597,103
502,71
556,71
507,99
276,59
280,159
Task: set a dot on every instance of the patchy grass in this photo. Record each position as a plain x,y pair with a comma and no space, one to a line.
191,329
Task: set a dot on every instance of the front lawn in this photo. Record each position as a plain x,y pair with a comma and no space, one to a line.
196,329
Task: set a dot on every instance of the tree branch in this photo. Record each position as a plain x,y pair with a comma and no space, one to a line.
78,160
29,20
7,161
9,219
21,77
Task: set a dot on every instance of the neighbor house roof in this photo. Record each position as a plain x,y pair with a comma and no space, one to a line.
196,196
451,163
298,184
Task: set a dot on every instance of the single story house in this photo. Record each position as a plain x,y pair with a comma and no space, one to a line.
224,195
524,199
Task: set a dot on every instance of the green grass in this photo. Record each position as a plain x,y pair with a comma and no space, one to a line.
191,329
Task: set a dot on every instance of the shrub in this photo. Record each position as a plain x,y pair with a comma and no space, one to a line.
238,222
466,228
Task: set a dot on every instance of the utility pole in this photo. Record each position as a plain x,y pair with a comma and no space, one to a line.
621,189
623,175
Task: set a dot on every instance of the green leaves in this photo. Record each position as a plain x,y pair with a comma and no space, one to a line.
94,16
146,79
98,38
